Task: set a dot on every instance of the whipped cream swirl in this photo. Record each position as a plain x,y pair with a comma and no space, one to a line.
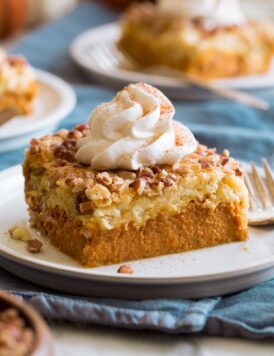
212,13
135,130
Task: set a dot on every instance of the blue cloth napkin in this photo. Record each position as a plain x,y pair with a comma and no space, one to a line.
247,133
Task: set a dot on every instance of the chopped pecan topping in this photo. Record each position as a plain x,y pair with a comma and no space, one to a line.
225,160
204,164
99,195
74,134
80,198
182,170
62,133
126,269
66,150
167,181
59,163
70,143
16,61
156,169
69,180
127,175
34,246
34,142
163,173
88,175
35,146
139,185
145,173
82,128
103,178
115,197
172,177
73,181
62,152
117,184
238,172
157,188
86,207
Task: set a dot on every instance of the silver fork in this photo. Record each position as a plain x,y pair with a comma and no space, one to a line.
261,195
106,56
7,114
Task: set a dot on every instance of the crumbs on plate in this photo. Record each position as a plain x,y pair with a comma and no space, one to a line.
126,269
22,233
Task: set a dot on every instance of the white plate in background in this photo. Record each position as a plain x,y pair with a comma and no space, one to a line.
55,100
202,273
91,50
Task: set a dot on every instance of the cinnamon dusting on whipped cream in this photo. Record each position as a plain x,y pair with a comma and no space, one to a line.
134,130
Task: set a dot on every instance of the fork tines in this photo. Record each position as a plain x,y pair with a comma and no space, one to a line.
261,191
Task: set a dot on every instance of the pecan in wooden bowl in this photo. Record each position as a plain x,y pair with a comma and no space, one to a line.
23,332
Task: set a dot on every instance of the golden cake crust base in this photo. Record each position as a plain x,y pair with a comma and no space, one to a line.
22,103
195,227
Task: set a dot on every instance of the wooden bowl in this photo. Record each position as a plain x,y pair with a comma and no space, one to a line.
42,345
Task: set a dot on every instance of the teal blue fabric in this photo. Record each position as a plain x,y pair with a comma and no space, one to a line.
247,133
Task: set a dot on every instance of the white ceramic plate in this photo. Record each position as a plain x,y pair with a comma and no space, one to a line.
55,100
93,48
201,273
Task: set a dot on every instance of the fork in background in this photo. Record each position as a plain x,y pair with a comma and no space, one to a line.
261,195
7,114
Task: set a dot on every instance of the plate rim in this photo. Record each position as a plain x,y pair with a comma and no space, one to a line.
67,103
122,76
86,273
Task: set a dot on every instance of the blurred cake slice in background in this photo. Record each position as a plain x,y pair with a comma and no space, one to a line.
18,84
203,39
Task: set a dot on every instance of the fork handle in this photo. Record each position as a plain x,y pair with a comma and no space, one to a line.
6,115
232,94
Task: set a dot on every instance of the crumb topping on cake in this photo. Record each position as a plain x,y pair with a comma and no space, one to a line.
112,198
